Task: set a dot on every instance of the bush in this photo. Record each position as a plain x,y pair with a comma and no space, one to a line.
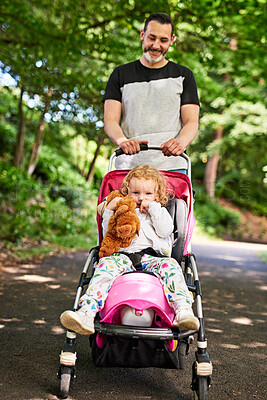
213,218
243,192
28,210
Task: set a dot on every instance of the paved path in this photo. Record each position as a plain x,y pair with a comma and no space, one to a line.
234,284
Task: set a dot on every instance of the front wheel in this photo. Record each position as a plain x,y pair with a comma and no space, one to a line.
65,378
201,388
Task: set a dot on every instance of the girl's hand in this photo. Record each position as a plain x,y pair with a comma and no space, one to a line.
112,205
144,206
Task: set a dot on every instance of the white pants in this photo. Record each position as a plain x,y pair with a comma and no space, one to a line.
109,268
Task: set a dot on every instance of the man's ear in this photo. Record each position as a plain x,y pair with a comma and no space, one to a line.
142,34
172,39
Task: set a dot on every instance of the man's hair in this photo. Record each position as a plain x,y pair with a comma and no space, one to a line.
162,18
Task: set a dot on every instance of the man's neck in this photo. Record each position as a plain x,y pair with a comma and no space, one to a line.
151,65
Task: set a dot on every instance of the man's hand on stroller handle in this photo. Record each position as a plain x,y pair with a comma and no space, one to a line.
172,147
131,146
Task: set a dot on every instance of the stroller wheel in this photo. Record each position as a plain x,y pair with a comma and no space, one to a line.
201,388
65,378
182,353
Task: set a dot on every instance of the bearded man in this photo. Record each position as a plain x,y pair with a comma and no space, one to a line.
152,101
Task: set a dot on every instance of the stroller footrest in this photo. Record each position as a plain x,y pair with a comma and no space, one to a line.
141,332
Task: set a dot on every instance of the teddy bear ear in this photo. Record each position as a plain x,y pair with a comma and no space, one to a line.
112,195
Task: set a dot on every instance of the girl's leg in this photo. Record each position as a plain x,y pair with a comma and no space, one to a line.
172,279
108,269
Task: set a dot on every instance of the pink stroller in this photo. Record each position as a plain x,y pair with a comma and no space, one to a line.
135,329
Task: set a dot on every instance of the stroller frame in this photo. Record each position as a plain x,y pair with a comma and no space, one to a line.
202,366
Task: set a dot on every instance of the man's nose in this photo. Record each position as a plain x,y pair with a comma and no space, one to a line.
156,44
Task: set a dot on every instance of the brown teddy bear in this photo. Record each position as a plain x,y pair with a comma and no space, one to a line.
123,225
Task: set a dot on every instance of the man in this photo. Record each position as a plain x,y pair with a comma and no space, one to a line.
156,101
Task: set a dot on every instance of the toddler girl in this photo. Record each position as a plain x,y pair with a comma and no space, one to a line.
147,186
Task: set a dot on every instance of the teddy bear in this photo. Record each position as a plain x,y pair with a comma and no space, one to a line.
123,225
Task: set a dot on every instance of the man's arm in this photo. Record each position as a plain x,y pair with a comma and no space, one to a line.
112,116
190,117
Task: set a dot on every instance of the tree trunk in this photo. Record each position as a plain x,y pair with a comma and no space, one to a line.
19,154
211,167
39,137
90,173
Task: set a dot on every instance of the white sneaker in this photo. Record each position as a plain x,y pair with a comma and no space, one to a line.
78,321
185,319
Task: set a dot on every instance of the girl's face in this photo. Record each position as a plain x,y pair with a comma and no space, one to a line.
142,189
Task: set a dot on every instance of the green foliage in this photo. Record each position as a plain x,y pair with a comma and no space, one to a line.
72,47
242,153
212,218
29,211
55,168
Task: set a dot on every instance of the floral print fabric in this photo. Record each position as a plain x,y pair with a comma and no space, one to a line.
109,268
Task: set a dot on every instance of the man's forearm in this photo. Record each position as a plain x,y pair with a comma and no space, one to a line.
114,132
188,133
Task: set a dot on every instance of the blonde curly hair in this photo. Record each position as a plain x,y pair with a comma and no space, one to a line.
148,172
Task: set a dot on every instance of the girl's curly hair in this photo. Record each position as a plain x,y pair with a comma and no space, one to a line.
148,172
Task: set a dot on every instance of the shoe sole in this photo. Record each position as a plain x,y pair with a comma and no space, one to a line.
187,324
72,323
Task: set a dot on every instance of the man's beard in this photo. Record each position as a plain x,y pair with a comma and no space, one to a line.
153,60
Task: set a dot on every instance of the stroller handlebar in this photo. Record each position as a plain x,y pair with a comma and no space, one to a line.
145,147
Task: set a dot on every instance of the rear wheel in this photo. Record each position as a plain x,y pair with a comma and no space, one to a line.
201,388
65,377
182,353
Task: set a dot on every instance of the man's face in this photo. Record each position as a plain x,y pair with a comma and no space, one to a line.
156,41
